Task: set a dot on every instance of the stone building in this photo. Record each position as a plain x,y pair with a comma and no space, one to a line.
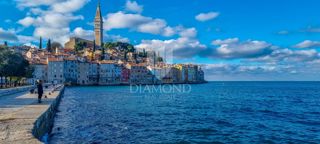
109,73
94,73
71,70
83,73
74,40
40,72
55,71
98,27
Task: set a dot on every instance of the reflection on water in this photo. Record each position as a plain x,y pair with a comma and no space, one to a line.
245,112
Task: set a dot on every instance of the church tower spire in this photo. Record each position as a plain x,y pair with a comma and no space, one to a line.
98,26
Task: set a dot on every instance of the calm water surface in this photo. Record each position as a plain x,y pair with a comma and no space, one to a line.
219,112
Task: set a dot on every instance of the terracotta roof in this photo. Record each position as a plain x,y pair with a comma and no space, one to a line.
54,59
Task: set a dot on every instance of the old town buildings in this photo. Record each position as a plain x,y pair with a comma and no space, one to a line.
86,62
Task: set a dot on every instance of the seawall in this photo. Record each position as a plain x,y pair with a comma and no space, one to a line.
24,120
43,125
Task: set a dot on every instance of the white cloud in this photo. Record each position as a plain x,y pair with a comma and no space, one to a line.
169,31
190,32
285,56
226,41
69,6
202,17
27,39
182,47
233,49
55,34
155,26
35,3
27,21
7,35
132,6
51,18
253,71
137,22
30,45
89,34
82,33
308,44
122,20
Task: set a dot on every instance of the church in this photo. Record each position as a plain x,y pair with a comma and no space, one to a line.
98,34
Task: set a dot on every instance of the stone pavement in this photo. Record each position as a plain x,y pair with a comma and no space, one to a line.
18,112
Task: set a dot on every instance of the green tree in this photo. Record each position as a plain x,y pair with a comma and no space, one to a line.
143,53
13,65
40,43
49,47
79,46
159,59
130,48
56,45
123,47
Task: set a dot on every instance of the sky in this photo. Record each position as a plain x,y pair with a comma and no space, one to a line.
234,40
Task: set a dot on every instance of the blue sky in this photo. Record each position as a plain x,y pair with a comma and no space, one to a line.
235,39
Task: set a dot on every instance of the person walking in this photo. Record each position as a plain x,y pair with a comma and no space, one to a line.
40,90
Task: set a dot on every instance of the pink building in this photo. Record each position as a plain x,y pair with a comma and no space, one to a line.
125,75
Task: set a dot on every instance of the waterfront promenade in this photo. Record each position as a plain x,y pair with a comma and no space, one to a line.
18,112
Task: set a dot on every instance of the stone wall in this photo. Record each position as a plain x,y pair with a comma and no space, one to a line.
42,127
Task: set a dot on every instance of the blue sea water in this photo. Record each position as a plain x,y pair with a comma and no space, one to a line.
216,112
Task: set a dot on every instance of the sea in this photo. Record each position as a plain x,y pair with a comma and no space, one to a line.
214,112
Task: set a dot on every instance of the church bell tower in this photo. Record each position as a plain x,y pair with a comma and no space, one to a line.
98,27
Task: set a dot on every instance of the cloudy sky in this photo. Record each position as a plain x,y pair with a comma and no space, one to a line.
232,39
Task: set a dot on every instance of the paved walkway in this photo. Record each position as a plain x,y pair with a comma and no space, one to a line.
18,112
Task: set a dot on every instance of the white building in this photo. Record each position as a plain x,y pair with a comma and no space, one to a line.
109,73
40,72
192,71
56,71
93,73
83,75
71,70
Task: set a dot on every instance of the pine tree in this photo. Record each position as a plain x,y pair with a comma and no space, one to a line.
144,53
40,44
49,49
5,43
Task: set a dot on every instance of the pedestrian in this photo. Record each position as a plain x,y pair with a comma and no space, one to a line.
40,90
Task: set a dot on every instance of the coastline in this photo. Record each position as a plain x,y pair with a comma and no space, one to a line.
125,84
